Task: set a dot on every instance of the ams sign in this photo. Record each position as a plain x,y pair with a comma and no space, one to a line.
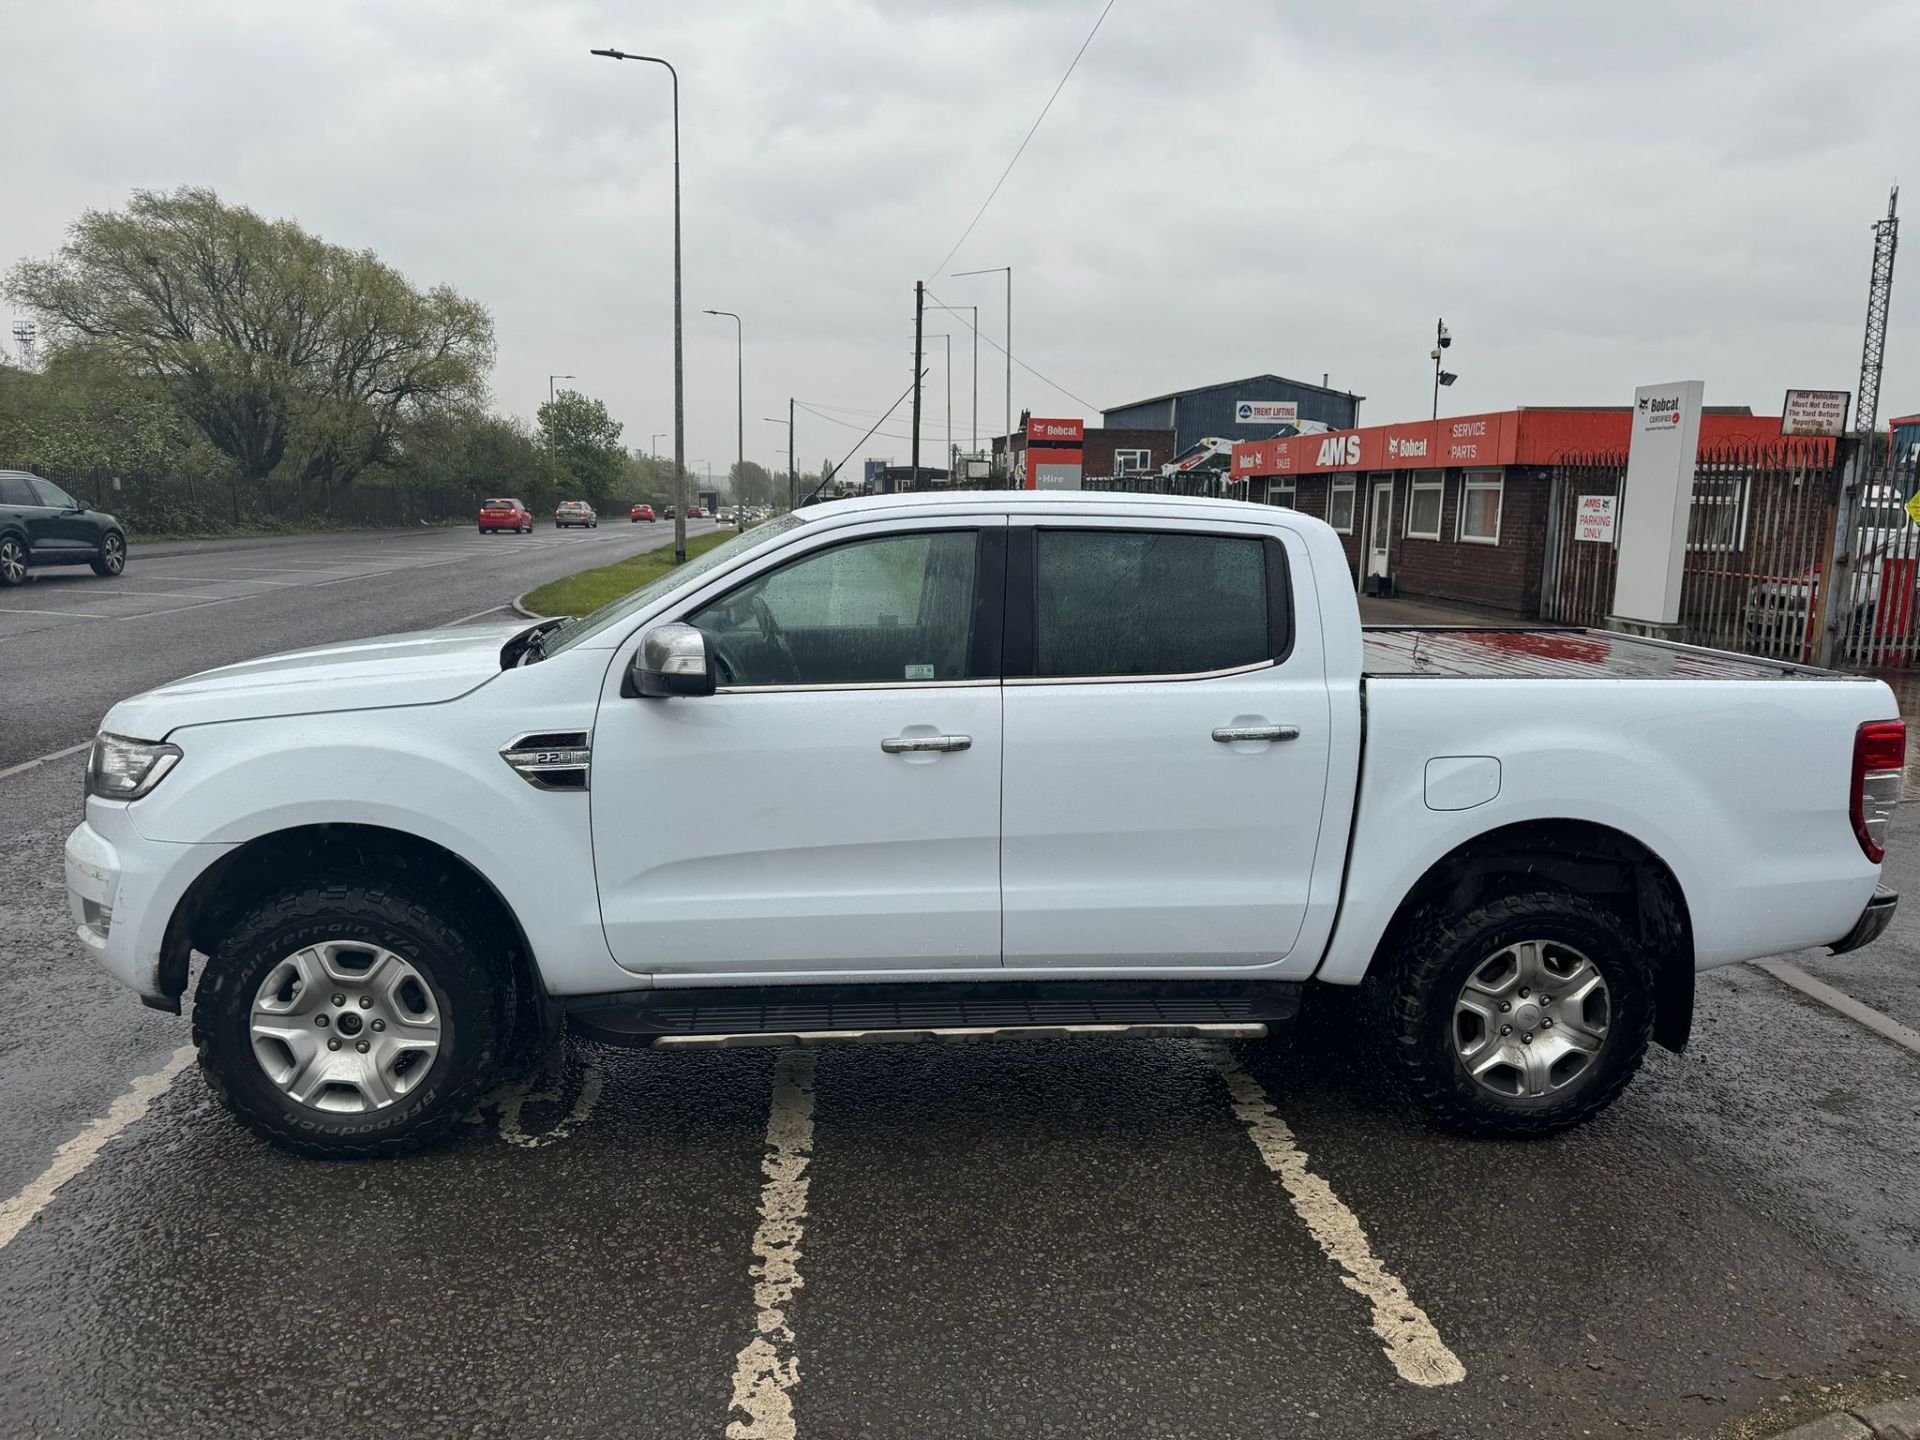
1338,450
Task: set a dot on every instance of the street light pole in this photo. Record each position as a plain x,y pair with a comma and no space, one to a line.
994,270
679,389
1442,338
740,384
550,457
793,468
949,340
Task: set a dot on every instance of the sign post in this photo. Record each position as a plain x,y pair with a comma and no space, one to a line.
1055,450
1661,456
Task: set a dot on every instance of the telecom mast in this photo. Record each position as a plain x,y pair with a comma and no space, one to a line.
1886,238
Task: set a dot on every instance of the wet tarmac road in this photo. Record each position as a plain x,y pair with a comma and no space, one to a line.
1051,1239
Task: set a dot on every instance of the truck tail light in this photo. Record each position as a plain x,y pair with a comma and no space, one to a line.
1879,768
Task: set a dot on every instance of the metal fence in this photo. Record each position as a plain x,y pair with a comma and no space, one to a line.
1760,533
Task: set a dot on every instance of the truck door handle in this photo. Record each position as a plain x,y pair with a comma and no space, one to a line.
1227,734
908,744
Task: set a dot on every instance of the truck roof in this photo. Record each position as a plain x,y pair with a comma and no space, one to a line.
1028,502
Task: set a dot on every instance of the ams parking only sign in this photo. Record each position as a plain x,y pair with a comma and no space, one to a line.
1594,519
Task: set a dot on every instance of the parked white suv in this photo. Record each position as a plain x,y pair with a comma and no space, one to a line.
976,762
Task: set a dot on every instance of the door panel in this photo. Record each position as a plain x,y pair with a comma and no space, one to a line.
836,806
769,832
1379,527
1132,836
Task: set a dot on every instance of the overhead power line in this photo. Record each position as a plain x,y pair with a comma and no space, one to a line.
1025,366
863,439
1023,145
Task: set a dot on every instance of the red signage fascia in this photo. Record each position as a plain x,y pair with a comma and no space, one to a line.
1056,432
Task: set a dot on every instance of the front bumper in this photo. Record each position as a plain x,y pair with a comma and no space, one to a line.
1872,922
122,889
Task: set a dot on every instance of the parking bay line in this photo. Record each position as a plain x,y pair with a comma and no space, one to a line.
1792,976
82,1150
769,1367
25,765
1412,1345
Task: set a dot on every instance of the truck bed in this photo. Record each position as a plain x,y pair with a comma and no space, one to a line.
1560,653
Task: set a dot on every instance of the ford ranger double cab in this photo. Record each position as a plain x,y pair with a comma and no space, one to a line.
938,766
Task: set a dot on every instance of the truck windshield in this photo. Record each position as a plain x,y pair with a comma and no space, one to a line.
575,631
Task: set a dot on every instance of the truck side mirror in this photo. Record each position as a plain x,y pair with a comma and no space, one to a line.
672,660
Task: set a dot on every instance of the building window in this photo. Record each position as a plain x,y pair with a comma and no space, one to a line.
1423,508
1132,462
1718,519
1480,507
1340,505
1281,492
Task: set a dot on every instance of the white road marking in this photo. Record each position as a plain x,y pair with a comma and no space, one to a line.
514,1096
1413,1346
83,1149
63,614
476,615
766,1371
1792,975
45,759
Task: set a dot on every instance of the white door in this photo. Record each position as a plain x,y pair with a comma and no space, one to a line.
1138,829
795,821
1379,527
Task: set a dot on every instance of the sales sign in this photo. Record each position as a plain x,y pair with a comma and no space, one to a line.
1594,519
1816,412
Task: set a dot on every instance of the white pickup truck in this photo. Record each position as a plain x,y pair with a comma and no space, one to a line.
935,766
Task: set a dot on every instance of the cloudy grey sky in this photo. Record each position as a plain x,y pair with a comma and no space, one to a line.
1595,195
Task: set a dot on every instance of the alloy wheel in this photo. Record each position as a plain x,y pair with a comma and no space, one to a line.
1531,1019
345,1027
13,561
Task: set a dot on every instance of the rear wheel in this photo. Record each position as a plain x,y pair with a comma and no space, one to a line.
1527,1015
112,558
13,560
351,1019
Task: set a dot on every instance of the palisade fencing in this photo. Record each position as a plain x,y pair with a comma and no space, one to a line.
1759,534
1209,483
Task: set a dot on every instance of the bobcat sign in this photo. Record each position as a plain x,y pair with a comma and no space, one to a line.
1658,493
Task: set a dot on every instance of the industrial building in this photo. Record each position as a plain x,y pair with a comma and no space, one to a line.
1253,408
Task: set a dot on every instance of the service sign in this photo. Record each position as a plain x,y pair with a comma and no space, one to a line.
1593,520
1266,412
1816,412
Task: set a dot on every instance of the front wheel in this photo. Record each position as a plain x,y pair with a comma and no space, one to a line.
13,560
112,558
1524,1016
351,1019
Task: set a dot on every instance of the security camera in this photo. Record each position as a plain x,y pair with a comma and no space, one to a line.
1446,337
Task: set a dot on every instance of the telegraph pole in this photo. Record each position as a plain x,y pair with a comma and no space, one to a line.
919,312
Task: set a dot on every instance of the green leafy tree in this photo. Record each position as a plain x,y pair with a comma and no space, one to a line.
582,445
749,483
278,346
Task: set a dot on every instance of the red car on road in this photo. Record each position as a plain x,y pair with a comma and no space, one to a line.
505,515
696,513
643,512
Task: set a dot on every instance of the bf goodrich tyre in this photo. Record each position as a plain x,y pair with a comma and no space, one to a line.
351,1019
1525,1016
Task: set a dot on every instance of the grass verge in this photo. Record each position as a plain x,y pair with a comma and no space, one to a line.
590,589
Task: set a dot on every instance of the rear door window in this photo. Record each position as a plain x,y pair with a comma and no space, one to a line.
1129,602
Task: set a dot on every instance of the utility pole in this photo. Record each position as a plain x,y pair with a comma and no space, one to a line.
919,311
1008,271
740,382
679,367
793,462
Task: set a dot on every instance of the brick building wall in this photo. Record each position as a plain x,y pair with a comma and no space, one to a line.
1501,576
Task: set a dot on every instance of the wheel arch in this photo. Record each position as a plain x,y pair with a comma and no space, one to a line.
1606,865
226,889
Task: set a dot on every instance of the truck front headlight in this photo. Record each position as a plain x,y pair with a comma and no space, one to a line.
124,769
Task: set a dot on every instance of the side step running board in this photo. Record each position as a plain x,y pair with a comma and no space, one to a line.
957,1011
960,1035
